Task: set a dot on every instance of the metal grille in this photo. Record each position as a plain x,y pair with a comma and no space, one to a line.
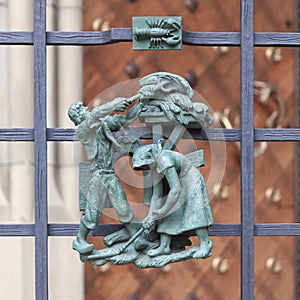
297,153
246,39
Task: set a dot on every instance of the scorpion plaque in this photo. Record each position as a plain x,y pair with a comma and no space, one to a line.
157,33
174,189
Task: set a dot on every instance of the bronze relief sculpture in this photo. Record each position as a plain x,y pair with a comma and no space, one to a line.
176,192
157,33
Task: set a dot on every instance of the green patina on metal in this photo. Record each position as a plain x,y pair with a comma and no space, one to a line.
174,189
157,33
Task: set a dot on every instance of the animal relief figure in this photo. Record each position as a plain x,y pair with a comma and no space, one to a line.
171,98
160,32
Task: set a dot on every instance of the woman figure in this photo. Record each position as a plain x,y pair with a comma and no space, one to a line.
185,208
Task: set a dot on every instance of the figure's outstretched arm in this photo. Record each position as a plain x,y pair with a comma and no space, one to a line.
134,112
155,204
118,104
156,199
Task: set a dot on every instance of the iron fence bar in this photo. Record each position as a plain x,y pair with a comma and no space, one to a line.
40,151
247,150
16,38
271,229
12,230
16,134
247,39
118,35
213,134
297,154
282,135
218,230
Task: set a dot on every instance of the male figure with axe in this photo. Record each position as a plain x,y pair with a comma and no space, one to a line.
95,133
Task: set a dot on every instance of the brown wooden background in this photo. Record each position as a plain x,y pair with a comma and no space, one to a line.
215,76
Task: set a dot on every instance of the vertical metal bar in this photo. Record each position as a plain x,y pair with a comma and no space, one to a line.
297,153
40,151
247,154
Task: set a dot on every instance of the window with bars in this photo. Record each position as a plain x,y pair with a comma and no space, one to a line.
40,134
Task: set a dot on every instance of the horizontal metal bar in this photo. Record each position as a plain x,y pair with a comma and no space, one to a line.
62,229
101,230
72,229
211,38
16,38
277,39
116,35
271,229
215,230
213,134
12,230
282,134
61,134
225,230
16,134
283,229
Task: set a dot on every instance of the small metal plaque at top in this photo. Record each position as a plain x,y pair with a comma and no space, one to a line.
157,33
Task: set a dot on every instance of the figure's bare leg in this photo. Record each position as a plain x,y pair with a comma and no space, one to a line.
206,244
80,244
164,247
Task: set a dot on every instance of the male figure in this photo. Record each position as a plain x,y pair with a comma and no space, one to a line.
95,133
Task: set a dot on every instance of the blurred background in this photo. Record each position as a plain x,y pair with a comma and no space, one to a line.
76,73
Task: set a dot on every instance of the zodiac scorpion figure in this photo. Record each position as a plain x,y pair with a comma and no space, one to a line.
159,32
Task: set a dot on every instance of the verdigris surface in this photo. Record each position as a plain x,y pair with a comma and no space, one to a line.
157,33
175,190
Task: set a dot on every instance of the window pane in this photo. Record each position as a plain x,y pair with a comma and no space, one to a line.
10,17
274,85
274,183
274,15
16,86
17,182
65,270
63,184
17,265
226,200
274,268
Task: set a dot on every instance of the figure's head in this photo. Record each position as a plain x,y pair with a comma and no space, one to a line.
76,112
145,156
